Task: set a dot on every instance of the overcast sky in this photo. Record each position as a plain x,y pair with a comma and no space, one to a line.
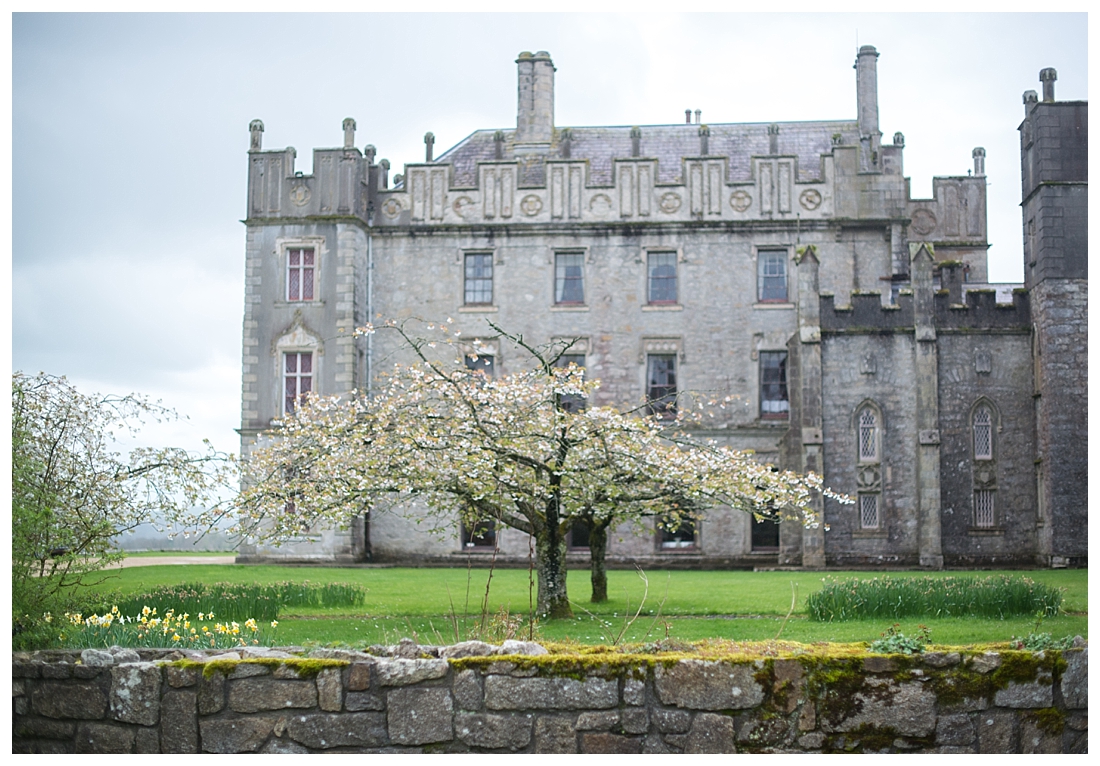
130,133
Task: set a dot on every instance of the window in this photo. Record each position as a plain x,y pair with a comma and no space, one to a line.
297,378
984,517
673,534
868,436
478,279
571,402
983,434
300,266
773,384
569,278
579,535
868,511
662,278
771,276
764,535
482,534
485,363
661,385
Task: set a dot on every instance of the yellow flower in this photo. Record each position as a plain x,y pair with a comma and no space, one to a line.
200,616
175,637
274,623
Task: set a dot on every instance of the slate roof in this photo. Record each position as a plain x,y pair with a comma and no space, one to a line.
667,143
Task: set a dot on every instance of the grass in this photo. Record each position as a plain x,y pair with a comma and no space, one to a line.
733,605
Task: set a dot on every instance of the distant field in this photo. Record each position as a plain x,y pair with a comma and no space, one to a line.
683,605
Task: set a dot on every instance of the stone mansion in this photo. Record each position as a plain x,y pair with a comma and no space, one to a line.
783,265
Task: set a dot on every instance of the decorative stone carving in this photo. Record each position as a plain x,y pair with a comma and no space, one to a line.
740,200
983,362
530,205
391,208
464,207
929,437
923,222
300,194
600,206
670,202
810,199
867,364
869,479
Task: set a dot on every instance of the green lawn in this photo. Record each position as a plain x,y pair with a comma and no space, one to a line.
692,605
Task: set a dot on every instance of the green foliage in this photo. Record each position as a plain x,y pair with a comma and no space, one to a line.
893,641
145,628
241,601
1038,642
892,597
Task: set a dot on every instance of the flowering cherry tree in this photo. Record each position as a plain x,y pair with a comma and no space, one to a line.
478,448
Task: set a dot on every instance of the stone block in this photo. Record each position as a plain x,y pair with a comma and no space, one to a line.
211,697
85,672
253,669
25,669
68,700
654,745
122,655
147,740
494,731
986,662
807,719
633,691
24,727
1033,739
467,649
419,716
940,659
610,743
235,735
671,721
467,689
812,741
330,690
356,701
507,693
954,729
135,693
529,648
1029,695
879,665
603,720
103,738
179,725
1075,680
635,721
358,677
407,672
702,685
909,709
996,732
710,733
250,695
97,658
763,730
276,746
555,734
57,670
510,669
322,731
178,677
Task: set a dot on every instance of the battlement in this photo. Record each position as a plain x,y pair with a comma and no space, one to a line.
865,312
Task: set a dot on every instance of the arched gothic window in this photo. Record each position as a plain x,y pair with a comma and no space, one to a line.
983,433
868,427
868,435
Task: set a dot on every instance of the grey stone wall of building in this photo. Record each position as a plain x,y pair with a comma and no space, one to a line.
515,698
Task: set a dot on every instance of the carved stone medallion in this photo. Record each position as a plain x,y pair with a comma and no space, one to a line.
464,207
600,206
983,362
530,205
670,202
869,478
740,200
924,222
391,208
300,195
867,365
810,199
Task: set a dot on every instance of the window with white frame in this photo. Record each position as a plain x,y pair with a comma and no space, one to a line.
297,378
868,435
771,276
478,279
983,433
662,282
300,273
774,401
569,278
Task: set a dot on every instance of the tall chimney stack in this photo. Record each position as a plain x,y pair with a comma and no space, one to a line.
1047,77
867,104
535,114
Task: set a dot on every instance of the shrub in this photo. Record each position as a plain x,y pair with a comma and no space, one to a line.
893,641
893,597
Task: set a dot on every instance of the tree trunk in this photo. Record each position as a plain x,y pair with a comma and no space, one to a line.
550,566
597,546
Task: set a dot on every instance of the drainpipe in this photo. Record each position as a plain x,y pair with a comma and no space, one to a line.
370,297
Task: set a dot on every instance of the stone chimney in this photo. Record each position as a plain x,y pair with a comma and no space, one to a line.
773,139
979,161
867,104
535,114
635,141
349,132
429,146
256,136
1047,77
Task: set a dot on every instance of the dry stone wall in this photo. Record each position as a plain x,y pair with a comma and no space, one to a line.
475,697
